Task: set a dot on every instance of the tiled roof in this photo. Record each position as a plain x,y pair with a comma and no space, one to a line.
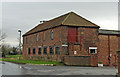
114,32
69,19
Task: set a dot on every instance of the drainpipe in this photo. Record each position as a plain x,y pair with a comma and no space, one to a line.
72,47
68,42
80,43
109,48
115,61
88,51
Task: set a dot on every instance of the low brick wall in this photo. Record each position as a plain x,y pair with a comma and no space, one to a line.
94,60
77,60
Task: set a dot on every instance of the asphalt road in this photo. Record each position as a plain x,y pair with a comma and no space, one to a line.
15,69
67,70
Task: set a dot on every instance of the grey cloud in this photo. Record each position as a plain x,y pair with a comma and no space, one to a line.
26,15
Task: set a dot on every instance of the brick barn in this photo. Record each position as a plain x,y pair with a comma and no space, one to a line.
72,39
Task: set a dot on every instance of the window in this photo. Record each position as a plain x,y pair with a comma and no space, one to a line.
37,37
29,50
93,50
45,50
26,40
51,49
57,50
33,50
39,50
51,34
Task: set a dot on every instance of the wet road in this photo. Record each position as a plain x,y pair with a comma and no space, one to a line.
12,69
17,69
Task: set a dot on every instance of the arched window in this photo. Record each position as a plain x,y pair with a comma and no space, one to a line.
39,50
51,34
29,50
45,50
33,50
37,37
57,50
51,49
26,40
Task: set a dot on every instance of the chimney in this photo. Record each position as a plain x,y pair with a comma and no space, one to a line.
43,21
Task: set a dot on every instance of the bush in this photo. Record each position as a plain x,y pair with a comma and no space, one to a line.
99,62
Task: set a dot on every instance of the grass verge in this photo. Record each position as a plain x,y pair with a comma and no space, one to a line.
15,59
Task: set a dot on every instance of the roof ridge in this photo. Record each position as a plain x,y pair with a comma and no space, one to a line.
86,19
65,18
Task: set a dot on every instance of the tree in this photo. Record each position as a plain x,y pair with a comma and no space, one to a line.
2,37
2,48
14,51
5,49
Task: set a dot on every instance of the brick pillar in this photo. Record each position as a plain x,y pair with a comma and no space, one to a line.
118,52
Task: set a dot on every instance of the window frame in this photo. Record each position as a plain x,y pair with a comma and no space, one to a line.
93,48
52,49
26,40
34,51
58,53
40,50
29,51
37,37
52,36
44,49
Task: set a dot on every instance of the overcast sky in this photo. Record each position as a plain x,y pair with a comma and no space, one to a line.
26,15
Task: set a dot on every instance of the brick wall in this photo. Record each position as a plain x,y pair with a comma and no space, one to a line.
60,37
81,60
108,43
77,60
87,37
119,42
118,56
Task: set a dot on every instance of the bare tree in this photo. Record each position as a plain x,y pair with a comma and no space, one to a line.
2,47
2,36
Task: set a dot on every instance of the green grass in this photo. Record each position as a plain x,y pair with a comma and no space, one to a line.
13,56
15,59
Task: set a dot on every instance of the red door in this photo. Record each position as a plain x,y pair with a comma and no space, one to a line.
72,35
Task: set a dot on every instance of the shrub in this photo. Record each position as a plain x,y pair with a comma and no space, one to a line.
99,62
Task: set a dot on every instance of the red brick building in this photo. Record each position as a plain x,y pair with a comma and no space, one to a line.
109,42
70,35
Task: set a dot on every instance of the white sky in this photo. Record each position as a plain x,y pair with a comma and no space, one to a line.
26,15
59,0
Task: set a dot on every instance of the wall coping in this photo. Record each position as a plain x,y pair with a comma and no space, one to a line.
76,56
